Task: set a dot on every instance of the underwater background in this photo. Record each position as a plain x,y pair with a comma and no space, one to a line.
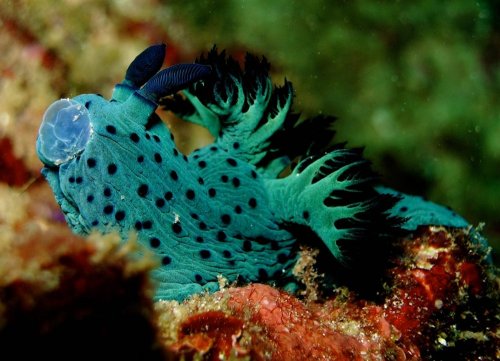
415,82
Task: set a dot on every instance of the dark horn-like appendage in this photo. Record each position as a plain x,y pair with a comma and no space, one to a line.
145,65
173,79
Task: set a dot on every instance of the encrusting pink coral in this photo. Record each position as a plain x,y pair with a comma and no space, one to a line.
331,331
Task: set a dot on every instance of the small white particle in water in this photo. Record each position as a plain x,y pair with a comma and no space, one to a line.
442,341
177,218
438,304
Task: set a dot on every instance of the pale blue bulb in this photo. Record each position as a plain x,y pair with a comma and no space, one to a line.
64,132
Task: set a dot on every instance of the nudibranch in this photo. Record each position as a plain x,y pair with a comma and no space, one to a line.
238,207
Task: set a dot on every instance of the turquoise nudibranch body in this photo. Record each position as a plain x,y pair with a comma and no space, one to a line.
238,207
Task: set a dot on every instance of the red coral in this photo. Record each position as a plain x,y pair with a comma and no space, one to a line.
438,276
14,172
428,280
211,334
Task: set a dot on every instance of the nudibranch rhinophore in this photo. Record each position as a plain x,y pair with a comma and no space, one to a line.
238,207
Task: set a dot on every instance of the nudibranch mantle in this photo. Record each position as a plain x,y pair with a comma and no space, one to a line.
229,208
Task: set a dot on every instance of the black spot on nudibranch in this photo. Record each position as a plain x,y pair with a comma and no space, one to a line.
252,202
176,152
176,227
204,253
91,162
134,138
263,274
236,145
305,215
253,174
198,278
403,209
79,180
108,209
107,192
166,260
120,215
190,194
221,236
142,191
111,129
148,137
238,209
112,168
202,164
156,138
158,158
231,162
236,182
225,218
147,224
212,192
202,226
173,175
224,178
154,242
226,254
247,246
138,225
71,179
160,202
140,159
90,198
168,196
200,239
